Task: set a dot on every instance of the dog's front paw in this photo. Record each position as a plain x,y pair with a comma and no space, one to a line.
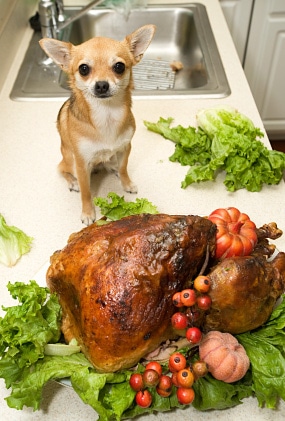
73,185
131,188
88,219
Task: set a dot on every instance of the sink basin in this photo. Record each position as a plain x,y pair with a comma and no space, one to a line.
183,38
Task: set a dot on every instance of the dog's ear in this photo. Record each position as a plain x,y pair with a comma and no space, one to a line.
59,51
139,40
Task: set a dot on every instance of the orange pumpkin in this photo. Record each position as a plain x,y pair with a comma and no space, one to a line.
236,233
224,355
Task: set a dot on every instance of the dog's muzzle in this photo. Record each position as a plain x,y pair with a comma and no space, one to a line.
101,89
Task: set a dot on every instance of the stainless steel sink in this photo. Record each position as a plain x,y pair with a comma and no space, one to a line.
183,35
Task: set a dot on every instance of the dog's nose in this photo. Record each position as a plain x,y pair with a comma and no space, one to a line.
101,87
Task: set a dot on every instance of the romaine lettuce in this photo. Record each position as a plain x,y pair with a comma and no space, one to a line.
13,243
118,207
265,348
211,393
224,140
27,328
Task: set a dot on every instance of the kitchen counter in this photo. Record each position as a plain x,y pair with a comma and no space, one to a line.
36,199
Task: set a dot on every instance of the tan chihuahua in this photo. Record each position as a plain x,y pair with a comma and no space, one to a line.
96,123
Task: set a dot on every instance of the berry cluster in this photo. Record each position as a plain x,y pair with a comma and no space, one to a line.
178,374
192,302
152,377
183,376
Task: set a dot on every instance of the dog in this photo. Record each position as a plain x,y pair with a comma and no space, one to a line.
96,124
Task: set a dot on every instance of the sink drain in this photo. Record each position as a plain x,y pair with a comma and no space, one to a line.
153,75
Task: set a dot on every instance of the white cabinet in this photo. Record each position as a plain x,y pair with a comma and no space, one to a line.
238,14
264,64
258,31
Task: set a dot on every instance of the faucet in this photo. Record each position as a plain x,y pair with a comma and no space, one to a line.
52,19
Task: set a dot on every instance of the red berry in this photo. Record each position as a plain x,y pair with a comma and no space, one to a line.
136,382
185,395
154,365
204,302
202,283
165,383
174,378
163,393
176,299
188,297
150,378
176,362
143,398
185,378
194,335
179,321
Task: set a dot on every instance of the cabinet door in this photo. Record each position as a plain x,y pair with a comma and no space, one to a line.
265,64
237,14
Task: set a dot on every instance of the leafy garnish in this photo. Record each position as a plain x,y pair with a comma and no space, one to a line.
117,207
224,140
95,389
265,348
13,243
27,328
211,393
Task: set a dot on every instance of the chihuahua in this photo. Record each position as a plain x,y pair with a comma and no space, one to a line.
96,124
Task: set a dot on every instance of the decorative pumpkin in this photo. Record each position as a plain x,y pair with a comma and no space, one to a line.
236,235
224,355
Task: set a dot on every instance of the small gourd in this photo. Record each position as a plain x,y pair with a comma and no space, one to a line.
236,235
224,355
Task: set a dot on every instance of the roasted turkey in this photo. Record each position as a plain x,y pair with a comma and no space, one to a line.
115,283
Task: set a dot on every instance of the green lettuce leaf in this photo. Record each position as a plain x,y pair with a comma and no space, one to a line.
13,243
109,394
227,121
265,348
27,390
225,140
117,208
100,391
27,328
211,393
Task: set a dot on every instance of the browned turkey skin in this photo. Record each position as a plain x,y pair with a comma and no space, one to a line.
115,283
244,291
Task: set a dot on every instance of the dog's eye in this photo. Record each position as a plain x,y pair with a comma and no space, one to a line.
84,69
119,68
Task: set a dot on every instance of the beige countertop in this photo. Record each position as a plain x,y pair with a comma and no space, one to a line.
36,199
